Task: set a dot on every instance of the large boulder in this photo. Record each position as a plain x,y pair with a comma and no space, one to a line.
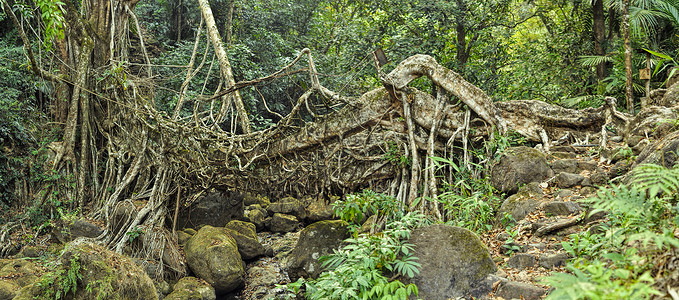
15,274
318,209
212,254
671,96
522,203
316,240
246,238
191,288
288,206
651,122
215,209
256,215
662,152
67,230
519,166
99,274
283,223
454,263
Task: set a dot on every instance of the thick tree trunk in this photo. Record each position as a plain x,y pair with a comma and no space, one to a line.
224,64
629,91
599,30
229,22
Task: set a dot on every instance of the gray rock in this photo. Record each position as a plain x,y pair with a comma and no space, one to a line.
587,191
599,177
288,206
251,199
212,254
192,288
550,261
565,153
520,290
17,273
454,263
66,231
264,279
215,209
519,166
664,152
586,166
521,261
564,193
182,237
7,290
568,180
246,238
522,203
98,265
565,165
316,240
652,122
319,210
283,223
561,208
620,168
256,215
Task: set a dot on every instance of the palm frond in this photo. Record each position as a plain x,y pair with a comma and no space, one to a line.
642,21
573,102
670,8
593,60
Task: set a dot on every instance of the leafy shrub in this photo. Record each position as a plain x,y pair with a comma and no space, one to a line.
617,263
362,268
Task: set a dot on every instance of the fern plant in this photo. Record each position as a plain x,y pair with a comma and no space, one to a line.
616,264
365,267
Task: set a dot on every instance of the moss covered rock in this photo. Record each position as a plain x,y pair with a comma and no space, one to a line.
246,238
283,223
522,203
316,240
19,272
88,271
519,166
212,254
454,263
7,290
192,288
288,206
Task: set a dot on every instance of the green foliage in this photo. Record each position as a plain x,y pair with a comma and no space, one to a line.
616,263
53,18
356,208
131,235
17,117
510,244
395,157
656,179
472,212
362,267
57,284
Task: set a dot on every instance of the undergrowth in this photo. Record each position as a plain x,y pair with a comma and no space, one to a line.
367,266
617,261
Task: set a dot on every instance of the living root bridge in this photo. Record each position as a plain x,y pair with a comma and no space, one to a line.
365,143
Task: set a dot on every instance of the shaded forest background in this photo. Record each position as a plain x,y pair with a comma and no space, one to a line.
568,53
